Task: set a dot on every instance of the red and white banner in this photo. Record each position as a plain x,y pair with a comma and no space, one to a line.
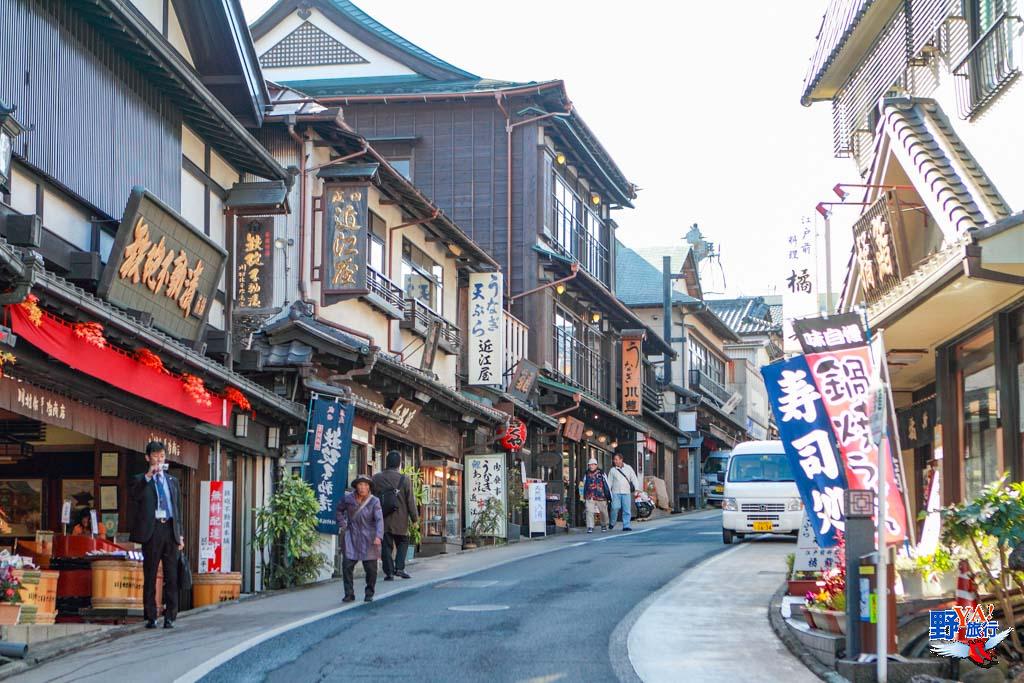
216,503
843,378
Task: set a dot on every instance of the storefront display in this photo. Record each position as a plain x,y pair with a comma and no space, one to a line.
441,514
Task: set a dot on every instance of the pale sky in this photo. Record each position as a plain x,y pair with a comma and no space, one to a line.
699,107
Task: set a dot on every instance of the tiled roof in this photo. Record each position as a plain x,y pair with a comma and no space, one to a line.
776,312
748,315
413,84
677,252
638,282
838,24
910,122
371,24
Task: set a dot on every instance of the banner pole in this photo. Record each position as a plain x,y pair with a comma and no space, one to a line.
883,548
305,444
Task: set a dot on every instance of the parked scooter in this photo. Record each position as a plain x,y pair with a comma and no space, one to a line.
643,503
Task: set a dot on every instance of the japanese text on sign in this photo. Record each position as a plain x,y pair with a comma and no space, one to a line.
798,285
632,374
329,441
486,329
345,235
486,480
216,509
163,270
254,248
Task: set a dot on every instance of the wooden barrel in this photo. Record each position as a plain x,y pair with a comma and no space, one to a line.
208,589
116,584
29,579
46,597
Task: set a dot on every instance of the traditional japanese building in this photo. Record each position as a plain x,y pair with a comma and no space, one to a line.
516,166
926,94
116,212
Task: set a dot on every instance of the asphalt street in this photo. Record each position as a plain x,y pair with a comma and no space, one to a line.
561,616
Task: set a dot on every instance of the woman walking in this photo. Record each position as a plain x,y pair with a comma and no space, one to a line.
361,520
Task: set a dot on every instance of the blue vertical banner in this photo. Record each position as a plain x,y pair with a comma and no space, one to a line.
810,444
328,443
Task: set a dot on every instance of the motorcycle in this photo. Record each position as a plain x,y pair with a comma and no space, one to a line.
643,503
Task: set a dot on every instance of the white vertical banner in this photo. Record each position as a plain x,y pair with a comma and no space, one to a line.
799,281
486,479
486,349
216,505
537,495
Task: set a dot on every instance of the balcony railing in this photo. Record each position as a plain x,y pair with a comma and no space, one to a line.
418,319
989,66
574,240
700,381
579,365
517,343
652,391
385,294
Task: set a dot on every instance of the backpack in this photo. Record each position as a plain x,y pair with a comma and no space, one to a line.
389,498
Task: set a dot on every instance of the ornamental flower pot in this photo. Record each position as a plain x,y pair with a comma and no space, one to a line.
9,613
801,586
829,620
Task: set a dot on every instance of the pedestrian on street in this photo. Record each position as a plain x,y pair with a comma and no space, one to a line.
596,494
398,505
156,501
361,520
623,482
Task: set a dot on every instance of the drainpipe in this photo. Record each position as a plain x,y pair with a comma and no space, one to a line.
974,270
576,399
305,149
357,372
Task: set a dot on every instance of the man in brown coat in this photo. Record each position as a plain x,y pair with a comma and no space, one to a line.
399,506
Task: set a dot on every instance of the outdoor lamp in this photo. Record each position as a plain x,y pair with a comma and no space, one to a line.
595,198
595,317
562,420
283,244
9,129
560,159
560,289
589,433
241,425
840,192
602,438
614,444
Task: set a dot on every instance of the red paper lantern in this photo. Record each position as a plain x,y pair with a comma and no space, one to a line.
514,436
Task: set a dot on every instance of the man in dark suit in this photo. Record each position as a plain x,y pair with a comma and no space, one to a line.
156,502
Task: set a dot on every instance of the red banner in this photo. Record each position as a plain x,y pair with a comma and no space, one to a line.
843,378
57,339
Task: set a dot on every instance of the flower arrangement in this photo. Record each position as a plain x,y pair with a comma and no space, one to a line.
5,358
9,586
195,388
31,306
238,398
91,333
149,359
831,588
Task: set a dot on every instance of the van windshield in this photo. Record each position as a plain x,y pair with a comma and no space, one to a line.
760,467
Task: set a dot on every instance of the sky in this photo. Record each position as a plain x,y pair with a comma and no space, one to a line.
698,107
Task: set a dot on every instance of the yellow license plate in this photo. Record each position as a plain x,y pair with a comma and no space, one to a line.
718,489
762,526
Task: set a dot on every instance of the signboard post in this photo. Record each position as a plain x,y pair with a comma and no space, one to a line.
486,350
632,372
345,241
486,480
254,271
216,509
328,442
537,493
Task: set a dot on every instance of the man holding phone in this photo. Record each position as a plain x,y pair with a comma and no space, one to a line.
156,524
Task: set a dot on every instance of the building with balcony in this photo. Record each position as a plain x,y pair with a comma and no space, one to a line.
926,96
698,392
517,167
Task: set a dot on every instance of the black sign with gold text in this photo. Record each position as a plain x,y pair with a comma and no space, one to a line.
345,233
254,262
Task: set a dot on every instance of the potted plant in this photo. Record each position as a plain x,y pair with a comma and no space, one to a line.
286,532
486,523
517,504
562,517
10,596
420,494
825,607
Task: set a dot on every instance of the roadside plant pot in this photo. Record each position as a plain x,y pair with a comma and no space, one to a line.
828,620
559,522
9,613
801,587
917,587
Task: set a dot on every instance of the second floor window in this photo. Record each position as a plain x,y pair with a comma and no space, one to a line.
708,363
377,239
566,207
422,277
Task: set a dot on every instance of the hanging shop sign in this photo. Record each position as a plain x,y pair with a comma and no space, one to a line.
917,424
573,429
216,510
328,442
834,333
536,493
485,481
514,436
632,372
486,331
798,281
875,246
405,411
162,265
524,380
254,270
807,438
345,233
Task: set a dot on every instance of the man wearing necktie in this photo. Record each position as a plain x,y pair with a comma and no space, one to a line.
156,524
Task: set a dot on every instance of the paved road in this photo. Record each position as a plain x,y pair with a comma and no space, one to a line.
562,616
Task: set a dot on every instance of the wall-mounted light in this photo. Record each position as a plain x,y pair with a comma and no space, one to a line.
602,438
560,159
562,420
455,249
589,433
241,425
283,244
614,444
595,198
560,289
273,437
595,317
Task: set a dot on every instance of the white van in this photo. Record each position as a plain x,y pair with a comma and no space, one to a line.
760,494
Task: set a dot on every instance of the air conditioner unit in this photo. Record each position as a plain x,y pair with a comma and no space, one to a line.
734,401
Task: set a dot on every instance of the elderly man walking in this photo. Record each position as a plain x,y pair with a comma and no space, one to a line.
623,481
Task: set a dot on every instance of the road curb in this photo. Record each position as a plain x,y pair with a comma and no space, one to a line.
795,647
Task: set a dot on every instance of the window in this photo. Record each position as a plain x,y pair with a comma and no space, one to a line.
752,467
709,364
567,215
596,256
565,341
993,59
422,277
979,433
403,166
378,237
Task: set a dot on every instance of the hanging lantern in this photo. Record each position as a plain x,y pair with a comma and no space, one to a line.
515,435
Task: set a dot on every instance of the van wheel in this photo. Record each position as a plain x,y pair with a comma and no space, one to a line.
727,536
741,537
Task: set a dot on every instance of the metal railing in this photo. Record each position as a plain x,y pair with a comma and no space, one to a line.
574,240
579,365
384,289
701,381
989,65
418,318
517,343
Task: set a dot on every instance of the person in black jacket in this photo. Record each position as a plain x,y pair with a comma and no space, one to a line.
156,524
396,524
